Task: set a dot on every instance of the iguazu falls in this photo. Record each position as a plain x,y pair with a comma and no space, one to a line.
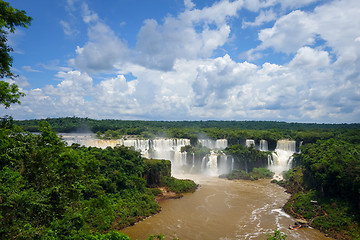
180,180
214,163
180,120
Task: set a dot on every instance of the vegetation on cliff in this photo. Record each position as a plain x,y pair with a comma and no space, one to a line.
51,191
326,187
255,174
247,158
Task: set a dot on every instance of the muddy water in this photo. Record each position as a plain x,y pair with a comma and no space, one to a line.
222,209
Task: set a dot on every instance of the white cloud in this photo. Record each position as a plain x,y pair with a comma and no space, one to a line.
29,69
88,15
320,83
289,33
291,4
307,57
263,17
68,30
255,5
189,4
338,23
192,34
102,51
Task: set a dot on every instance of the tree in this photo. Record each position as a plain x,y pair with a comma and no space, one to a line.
277,235
9,19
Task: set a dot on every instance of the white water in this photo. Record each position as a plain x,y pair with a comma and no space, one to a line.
165,148
213,164
214,144
281,158
263,146
249,142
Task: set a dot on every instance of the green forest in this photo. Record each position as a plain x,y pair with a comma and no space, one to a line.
325,187
52,191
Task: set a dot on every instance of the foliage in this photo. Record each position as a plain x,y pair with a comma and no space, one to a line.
9,19
198,151
247,158
113,235
255,174
50,191
335,216
155,191
261,173
276,236
333,168
9,93
156,171
180,185
325,186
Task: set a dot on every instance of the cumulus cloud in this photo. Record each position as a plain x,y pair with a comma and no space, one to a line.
103,50
289,33
189,4
192,34
307,57
176,77
264,17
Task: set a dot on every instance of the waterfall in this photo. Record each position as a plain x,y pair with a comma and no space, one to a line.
232,164
223,165
170,149
203,163
193,160
281,158
249,142
263,146
212,164
214,144
221,144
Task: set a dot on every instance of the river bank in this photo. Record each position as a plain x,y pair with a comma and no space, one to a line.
335,217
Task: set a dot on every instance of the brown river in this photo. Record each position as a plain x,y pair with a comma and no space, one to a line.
223,209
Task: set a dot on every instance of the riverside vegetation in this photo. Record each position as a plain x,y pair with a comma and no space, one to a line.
52,191
325,188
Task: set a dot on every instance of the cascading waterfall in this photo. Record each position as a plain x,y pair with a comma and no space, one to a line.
214,163
193,160
162,148
281,158
263,146
249,142
214,144
232,164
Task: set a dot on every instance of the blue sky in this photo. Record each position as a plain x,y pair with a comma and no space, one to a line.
283,60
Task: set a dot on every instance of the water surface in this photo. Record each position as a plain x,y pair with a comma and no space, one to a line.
223,209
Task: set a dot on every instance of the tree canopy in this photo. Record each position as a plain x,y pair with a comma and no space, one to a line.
10,18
